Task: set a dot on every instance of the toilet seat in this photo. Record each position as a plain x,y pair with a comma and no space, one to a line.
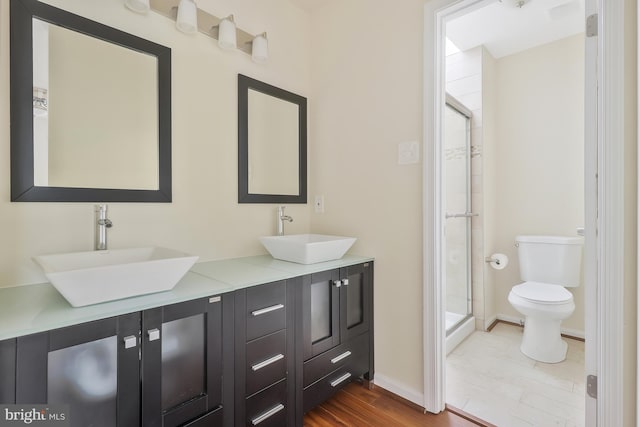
542,293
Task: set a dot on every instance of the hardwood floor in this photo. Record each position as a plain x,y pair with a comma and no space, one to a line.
357,406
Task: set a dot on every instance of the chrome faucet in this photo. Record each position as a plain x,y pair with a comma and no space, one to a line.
102,223
281,219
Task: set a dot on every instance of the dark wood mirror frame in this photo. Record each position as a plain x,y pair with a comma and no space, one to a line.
244,85
21,68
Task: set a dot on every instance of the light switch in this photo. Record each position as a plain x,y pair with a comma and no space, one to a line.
408,153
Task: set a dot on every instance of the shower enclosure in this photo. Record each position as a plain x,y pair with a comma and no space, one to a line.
457,194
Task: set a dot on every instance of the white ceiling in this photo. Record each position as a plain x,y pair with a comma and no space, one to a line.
505,29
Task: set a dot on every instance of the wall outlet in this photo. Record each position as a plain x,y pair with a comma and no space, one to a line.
318,204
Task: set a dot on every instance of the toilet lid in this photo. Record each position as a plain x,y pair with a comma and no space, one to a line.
542,292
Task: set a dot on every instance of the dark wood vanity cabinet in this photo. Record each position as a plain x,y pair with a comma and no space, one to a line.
264,355
335,335
259,356
159,367
8,371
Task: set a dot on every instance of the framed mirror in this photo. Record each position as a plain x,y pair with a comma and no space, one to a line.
272,144
90,110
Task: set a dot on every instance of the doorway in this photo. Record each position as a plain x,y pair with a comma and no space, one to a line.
604,134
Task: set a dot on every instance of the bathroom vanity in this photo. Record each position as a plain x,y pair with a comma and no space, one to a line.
240,342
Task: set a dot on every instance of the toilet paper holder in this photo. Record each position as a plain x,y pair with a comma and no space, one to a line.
489,259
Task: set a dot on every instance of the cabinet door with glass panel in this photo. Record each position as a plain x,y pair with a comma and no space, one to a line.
336,307
91,369
182,364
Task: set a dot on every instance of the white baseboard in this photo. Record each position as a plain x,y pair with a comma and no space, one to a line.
513,319
399,389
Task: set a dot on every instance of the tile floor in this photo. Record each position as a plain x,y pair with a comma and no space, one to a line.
488,376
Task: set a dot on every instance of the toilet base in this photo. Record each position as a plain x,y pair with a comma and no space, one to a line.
542,340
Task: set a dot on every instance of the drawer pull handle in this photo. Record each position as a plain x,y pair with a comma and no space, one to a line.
154,334
267,362
267,310
130,341
340,380
271,412
342,356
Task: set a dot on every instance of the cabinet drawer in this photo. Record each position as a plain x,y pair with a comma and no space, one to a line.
353,353
266,309
268,408
324,388
266,361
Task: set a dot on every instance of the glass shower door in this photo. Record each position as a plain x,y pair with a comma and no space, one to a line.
457,180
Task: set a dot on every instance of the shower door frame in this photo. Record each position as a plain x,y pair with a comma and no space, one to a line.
454,104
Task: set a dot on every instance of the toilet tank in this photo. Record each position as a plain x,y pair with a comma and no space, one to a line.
550,259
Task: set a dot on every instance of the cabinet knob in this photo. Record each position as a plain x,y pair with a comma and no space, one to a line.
130,341
154,334
345,282
337,283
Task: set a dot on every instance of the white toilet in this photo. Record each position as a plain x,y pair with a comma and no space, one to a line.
548,265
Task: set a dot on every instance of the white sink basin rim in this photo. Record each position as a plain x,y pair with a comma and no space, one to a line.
92,277
307,248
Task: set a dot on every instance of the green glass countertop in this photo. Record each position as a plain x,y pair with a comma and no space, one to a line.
36,308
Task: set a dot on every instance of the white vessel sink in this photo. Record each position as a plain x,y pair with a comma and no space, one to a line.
307,248
85,278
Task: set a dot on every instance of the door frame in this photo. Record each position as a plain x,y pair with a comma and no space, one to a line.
604,206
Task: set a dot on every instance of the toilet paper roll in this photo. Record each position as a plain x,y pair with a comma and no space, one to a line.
498,261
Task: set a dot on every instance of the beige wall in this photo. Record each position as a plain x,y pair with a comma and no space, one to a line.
488,171
367,98
204,218
536,161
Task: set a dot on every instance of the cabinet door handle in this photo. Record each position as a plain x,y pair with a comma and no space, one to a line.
267,362
271,412
337,283
340,380
130,341
345,282
267,310
154,334
340,357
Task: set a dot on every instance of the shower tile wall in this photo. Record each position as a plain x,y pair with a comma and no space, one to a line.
464,81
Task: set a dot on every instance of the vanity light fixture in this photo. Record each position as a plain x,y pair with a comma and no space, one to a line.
260,48
40,102
227,33
187,18
138,6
